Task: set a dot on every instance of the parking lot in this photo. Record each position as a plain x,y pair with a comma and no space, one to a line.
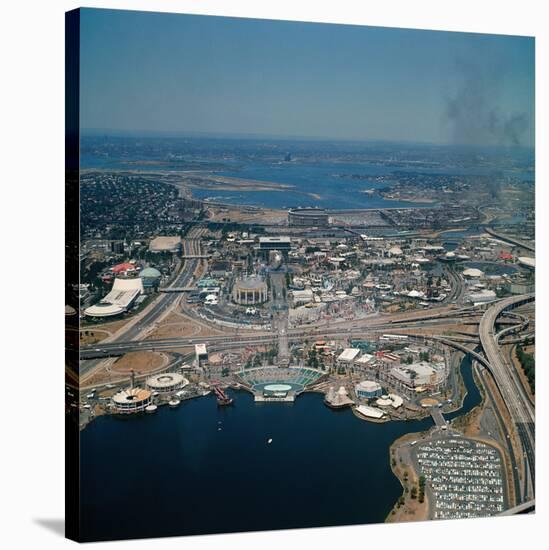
464,477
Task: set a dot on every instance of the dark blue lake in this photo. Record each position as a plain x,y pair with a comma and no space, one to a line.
176,473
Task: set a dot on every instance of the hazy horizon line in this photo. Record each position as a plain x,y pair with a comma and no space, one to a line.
116,133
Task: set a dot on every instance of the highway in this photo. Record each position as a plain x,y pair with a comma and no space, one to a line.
353,329
513,394
191,246
456,283
335,330
511,240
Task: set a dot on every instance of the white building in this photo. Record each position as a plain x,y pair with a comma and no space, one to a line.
364,360
131,400
473,273
166,382
419,374
123,294
302,296
368,389
481,297
348,356
250,291
369,412
306,314
201,353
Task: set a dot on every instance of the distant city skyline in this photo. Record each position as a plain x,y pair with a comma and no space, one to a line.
156,73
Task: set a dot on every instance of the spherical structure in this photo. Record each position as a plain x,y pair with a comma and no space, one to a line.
150,273
131,400
150,277
250,291
166,382
368,389
308,217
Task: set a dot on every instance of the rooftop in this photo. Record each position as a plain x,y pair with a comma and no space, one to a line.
131,395
251,283
150,273
119,268
273,240
349,354
165,243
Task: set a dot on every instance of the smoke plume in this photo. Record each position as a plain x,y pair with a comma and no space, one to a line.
472,112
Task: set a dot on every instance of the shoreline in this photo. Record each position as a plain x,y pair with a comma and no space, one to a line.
416,510
405,508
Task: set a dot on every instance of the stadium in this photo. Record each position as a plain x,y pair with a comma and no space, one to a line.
278,384
308,217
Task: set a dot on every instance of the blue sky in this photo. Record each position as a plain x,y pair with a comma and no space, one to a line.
152,72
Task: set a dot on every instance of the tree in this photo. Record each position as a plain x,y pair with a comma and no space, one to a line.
421,488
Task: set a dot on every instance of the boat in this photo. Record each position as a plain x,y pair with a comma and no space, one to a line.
269,441
221,396
174,403
151,409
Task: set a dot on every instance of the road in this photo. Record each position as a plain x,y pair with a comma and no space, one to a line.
191,247
513,394
258,338
456,283
506,238
352,329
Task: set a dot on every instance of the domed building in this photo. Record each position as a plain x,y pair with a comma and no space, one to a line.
131,400
250,291
151,278
166,382
368,389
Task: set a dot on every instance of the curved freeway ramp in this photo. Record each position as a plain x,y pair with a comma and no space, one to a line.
517,402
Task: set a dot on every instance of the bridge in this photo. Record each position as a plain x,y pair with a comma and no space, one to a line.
438,417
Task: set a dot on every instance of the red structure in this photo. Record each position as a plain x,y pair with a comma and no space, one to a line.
221,396
505,255
123,268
